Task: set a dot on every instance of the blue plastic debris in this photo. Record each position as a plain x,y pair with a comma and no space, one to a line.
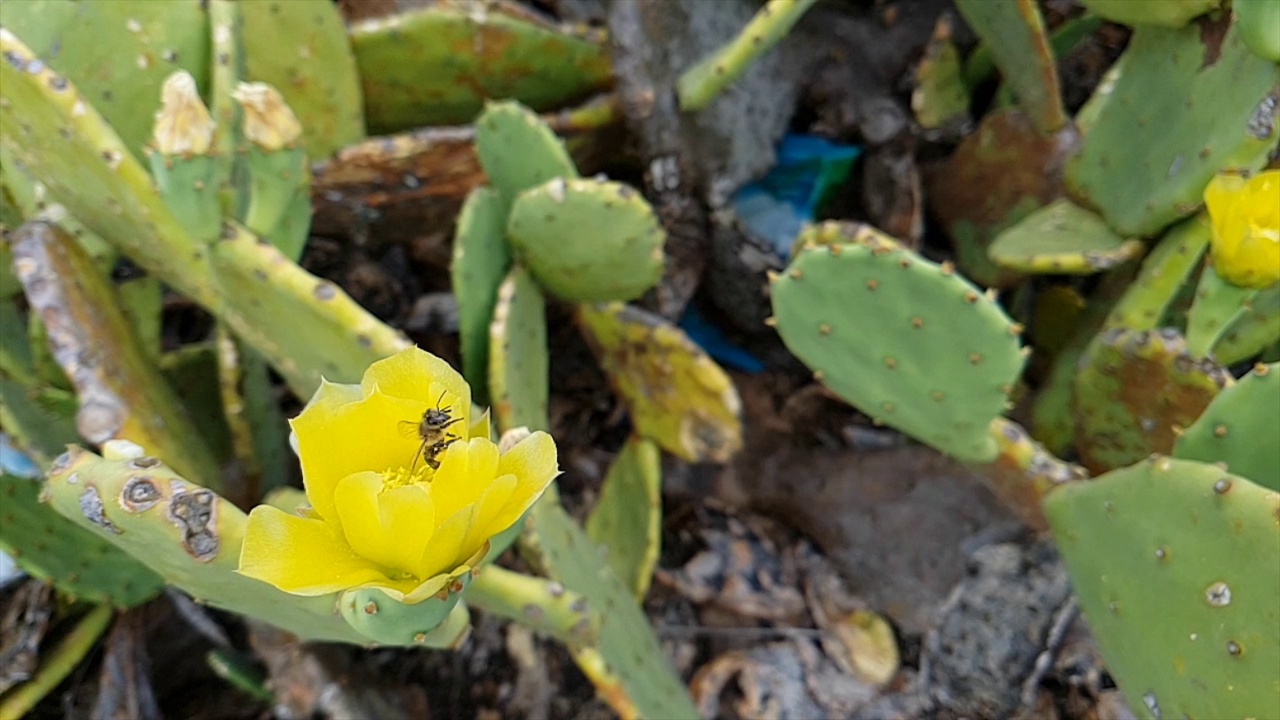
711,339
809,169
15,463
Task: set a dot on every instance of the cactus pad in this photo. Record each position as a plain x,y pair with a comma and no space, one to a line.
1217,306
117,53
1024,474
1133,391
300,47
1185,105
1013,31
187,534
627,665
1251,333
904,340
588,240
518,151
677,395
1260,27
437,65
481,259
1173,563
628,517
1240,428
1062,238
1170,13
72,558
388,621
518,358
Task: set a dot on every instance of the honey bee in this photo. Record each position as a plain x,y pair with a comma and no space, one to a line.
433,430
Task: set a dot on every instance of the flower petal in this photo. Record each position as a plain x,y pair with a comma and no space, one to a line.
337,440
533,462
442,552
485,514
466,469
415,374
300,555
390,527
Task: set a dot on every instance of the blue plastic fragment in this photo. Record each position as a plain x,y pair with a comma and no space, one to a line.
711,339
776,207
15,463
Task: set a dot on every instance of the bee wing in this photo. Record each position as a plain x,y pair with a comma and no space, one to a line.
407,428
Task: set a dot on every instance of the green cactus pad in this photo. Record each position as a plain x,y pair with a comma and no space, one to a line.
627,665
518,357
541,605
1014,32
677,395
904,340
1170,121
1217,306
118,53
1169,13
518,151
187,534
1240,428
1062,238
1132,393
481,259
300,47
1173,563
588,240
1259,27
121,391
628,517
75,560
304,326
1253,332
438,65
387,621
1164,273
61,140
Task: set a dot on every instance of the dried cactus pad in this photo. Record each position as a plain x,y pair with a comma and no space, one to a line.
904,340
1174,565
588,240
1240,428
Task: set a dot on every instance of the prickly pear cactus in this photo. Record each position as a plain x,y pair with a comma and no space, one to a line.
902,339
1260,27
1149,153
72,558
481,259
518,358
518,151
1170,13
437,65
1173,563
1062,239
186,533
628,517
1253,332
1217,306
1240,428
1134,390
676,394
588,240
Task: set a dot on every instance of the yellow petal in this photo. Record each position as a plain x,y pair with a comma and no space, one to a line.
466,469
486,513
336,440
533,462
415,374
300,555
391,527
442,552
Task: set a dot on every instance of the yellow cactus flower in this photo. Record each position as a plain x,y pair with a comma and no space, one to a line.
383,513
1246,228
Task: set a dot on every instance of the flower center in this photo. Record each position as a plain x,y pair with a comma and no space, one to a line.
399,477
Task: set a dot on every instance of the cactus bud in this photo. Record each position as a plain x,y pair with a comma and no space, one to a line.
183,125
268,121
